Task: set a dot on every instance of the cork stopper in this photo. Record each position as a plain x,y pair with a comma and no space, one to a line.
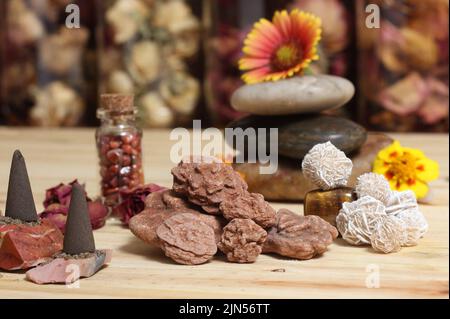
117,102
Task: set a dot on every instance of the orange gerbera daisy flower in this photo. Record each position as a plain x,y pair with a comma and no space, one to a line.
282,48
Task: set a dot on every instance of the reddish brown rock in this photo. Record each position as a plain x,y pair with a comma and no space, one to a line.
289,184
158,207
25,245
68,269
300,237
162,205
207,184
186,239
242,240
145,224
171,200
251,206
166,199
154,200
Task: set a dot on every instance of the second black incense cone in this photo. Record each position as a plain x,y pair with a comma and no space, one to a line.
19,200
78,236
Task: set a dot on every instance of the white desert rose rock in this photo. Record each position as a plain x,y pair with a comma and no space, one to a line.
327,166
357,220
389,235
374,185
386,228
404,205
415,223
400,201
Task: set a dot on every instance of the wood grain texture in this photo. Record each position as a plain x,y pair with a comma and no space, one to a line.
139,271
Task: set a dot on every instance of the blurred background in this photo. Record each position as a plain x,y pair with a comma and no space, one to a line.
179,58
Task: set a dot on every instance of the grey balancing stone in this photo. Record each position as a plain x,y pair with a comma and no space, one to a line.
78,237
19,200
298,134
297,95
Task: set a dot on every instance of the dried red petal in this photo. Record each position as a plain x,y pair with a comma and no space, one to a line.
133,201
57,201
60,194
57,213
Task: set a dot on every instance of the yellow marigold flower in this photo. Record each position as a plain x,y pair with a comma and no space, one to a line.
406,168
280,48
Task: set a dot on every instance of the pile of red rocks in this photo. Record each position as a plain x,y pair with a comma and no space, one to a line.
210,209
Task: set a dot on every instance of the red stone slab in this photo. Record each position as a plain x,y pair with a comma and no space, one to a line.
26,245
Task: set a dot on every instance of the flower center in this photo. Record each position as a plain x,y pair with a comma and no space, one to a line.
286,56
403,168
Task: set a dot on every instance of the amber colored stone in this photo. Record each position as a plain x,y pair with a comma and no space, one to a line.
327,204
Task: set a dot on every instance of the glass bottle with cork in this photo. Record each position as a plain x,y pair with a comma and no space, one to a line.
119,148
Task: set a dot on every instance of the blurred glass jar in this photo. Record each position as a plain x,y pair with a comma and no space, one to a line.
403,66
47,77
118,140
150,48
227,22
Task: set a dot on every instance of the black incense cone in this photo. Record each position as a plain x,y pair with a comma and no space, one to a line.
19,200
78,237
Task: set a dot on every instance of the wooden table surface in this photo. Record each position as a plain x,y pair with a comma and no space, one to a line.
139,271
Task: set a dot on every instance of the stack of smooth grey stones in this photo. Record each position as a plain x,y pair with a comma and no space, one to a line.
297,107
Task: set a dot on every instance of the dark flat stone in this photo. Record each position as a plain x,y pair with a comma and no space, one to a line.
297,134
